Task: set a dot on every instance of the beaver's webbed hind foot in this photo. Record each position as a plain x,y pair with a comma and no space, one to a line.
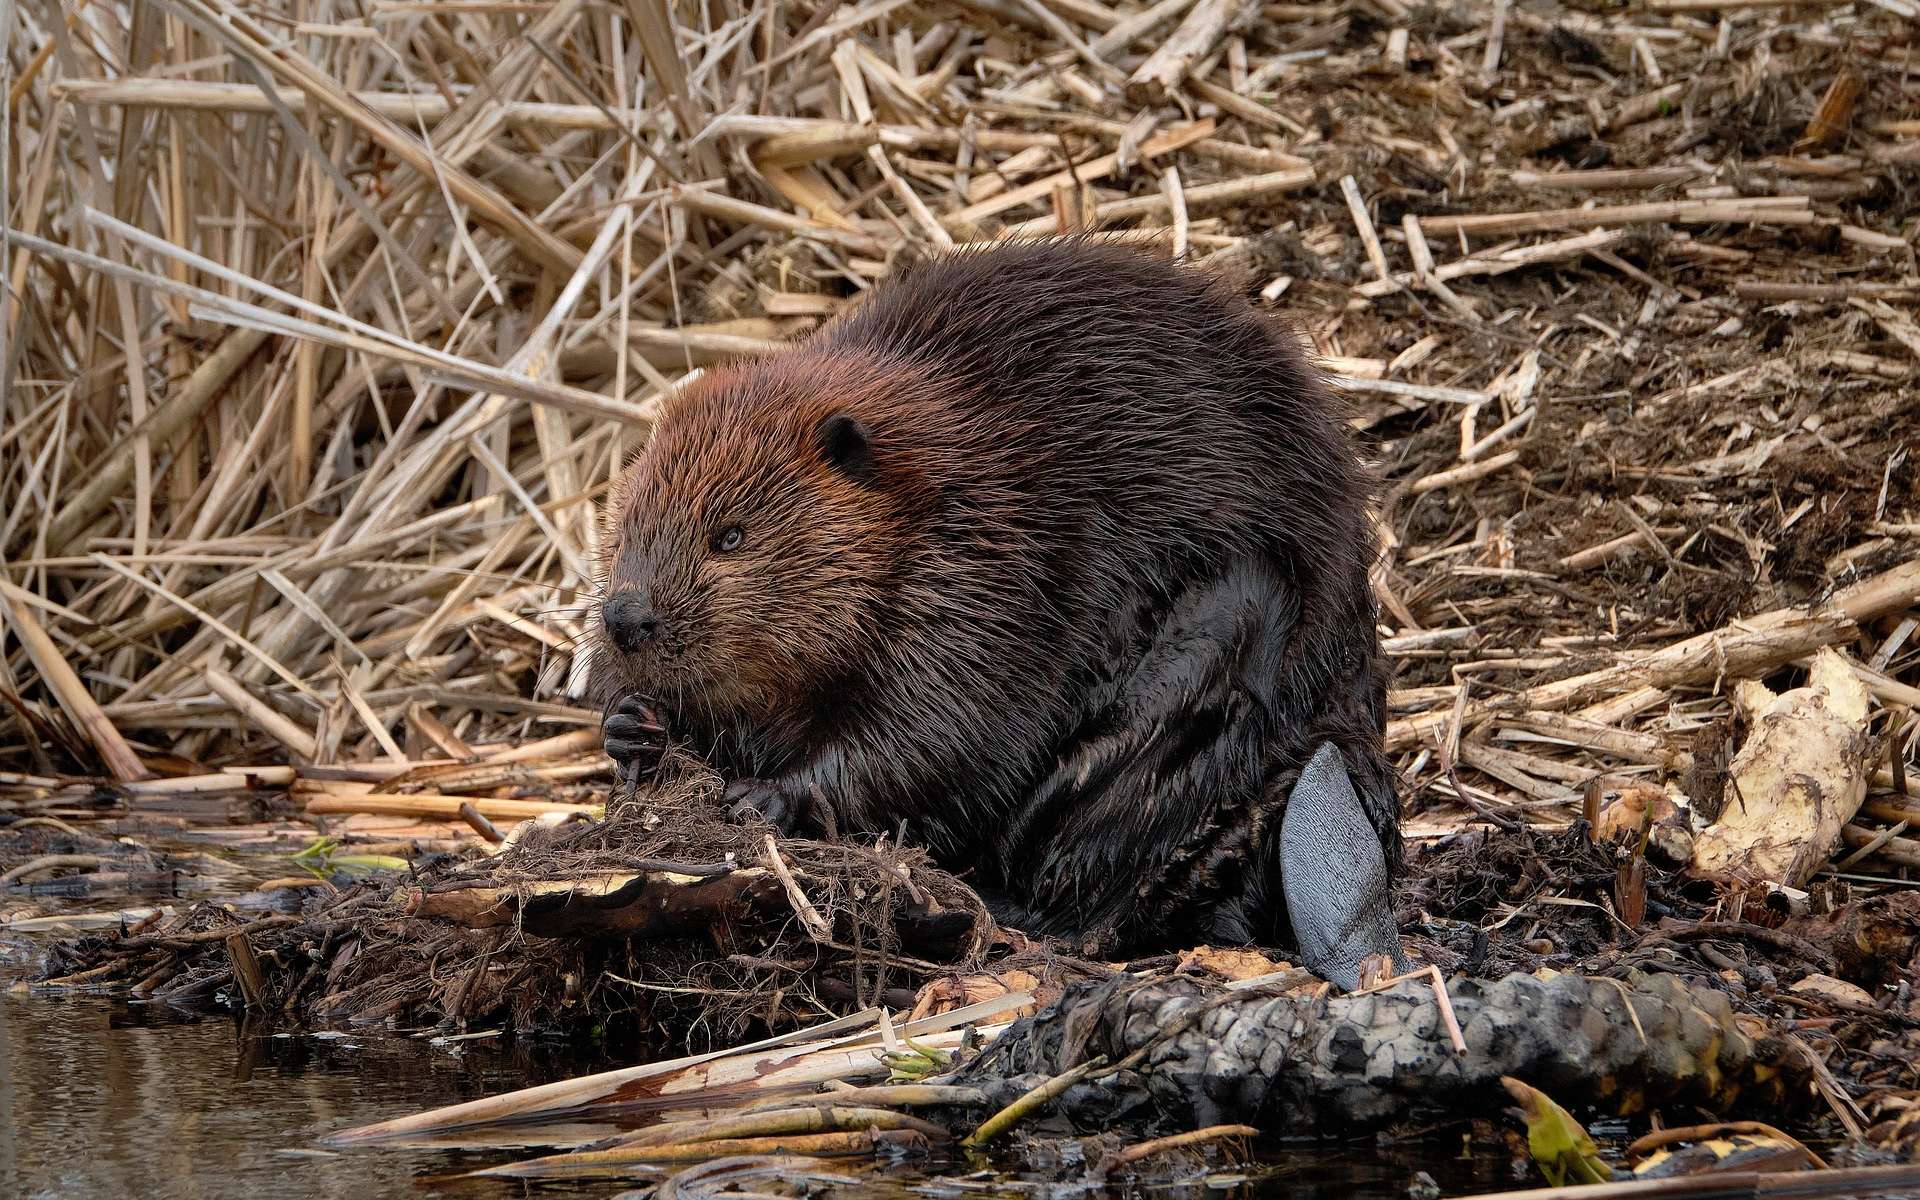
1334,872
771,800
1206,794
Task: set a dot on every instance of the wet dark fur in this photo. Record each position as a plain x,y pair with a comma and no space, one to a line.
1077,612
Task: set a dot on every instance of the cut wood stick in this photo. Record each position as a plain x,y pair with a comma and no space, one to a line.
1198,199
1409,391
1723,653
446,808
69,692
808,191
1136,26
1625,706
562,746
1424,270
1610,180
1755,289
1239,106
480,825
832,140
1192,40
818,927
1087,172
1463,474
1900,851
231,779
1500,262
1645,106
268,721
1177,205
671,349
1363,224
1758,210
841,1049
1531,776
802,138
1611,549
1601,738
745,212
1496,37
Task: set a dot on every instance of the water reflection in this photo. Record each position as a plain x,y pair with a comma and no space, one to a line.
108,1099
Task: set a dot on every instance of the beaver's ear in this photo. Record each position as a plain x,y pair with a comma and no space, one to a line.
844,445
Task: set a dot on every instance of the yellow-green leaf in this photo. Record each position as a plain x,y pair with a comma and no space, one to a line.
1560,1145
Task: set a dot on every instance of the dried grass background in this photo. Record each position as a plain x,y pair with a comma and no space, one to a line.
329,321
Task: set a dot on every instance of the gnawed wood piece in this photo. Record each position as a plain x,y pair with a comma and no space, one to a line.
1795,783
1168,66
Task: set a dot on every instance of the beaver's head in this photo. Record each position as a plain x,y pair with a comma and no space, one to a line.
752,545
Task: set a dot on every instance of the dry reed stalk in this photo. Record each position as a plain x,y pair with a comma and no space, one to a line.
837,1050
1777,210
121,762
269,722
438,807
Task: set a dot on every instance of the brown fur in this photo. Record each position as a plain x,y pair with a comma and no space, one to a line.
1056,553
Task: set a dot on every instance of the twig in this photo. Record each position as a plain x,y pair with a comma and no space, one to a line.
1177,1141
1032,1101
817,926
51,862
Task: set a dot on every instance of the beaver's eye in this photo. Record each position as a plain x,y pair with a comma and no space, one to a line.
729,539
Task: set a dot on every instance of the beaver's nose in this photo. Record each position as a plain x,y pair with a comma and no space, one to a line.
630,619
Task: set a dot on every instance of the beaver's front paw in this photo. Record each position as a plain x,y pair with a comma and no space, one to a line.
635,737
767,799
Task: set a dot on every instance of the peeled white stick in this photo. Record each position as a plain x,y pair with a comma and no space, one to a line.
1798,779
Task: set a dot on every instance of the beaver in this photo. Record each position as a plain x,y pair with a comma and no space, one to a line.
1057,554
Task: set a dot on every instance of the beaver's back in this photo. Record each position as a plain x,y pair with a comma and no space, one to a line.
1115,401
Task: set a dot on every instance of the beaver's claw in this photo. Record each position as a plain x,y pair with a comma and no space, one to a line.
635,737
768,800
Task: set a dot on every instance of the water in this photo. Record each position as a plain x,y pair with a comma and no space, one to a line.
99,1098
105,1098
